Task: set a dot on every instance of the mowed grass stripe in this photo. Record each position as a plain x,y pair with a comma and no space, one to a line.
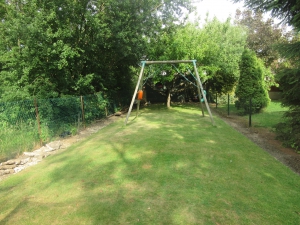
165,167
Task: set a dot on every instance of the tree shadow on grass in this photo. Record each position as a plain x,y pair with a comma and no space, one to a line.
136,182
156,171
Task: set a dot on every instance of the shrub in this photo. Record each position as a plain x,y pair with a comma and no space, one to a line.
289,131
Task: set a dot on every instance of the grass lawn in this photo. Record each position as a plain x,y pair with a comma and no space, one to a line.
165,167
268,118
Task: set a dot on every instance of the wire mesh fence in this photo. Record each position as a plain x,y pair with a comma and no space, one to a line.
29,123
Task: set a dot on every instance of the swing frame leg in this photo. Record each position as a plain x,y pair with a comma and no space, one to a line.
199,86
135,92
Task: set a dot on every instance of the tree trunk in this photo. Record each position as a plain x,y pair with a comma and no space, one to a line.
168,98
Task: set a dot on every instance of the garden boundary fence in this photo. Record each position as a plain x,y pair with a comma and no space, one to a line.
29,123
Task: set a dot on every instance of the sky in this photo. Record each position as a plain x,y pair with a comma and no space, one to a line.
222,9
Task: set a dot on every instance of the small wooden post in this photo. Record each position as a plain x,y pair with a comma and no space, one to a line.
250,113
38,121
82,109
106,113
228,103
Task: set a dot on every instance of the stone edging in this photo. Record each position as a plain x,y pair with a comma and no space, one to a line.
28,159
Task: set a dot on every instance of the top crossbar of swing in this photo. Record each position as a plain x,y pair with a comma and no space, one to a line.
168,61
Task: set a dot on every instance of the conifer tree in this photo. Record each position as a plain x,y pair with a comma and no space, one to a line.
251,84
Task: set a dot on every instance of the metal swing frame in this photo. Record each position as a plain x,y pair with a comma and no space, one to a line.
199,86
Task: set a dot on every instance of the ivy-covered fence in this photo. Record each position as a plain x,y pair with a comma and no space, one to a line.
29,123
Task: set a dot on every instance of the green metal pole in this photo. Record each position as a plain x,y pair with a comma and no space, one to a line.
203,95
250,113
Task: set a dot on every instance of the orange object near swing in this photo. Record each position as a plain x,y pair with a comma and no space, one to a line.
140,95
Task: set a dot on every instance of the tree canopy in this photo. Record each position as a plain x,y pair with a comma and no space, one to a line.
53,48
224,46
286,10
216,46
263,35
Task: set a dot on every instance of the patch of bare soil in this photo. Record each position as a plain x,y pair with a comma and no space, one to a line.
265,139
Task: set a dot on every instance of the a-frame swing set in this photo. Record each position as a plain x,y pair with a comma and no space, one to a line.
198,81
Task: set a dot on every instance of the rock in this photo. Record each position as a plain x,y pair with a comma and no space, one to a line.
49,149
118,114
9,162
2,172
30,154
39,158
24,161
53,146
43,149
10,171
6,167
18,169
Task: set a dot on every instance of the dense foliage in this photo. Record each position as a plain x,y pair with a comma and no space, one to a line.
217,47
224,44
55,48
288,11
251,84
263,35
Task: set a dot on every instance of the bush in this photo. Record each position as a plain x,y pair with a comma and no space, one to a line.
289,131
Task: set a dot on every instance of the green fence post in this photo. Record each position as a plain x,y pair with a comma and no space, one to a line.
250,113
82,109
38,121
228,103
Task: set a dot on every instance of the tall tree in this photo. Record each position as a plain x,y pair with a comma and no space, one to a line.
217,47
263,34
53,48
171,45
251,84
226,44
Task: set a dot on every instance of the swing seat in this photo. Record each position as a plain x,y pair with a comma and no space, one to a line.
140,95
